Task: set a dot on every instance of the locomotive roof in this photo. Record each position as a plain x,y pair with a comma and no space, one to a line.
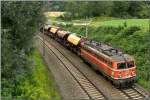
111,52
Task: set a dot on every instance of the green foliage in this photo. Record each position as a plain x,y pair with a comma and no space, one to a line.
120,9
78,9
20,22
144,83
138,9
14,67
56,5
129,31
40,84
143,23
22,18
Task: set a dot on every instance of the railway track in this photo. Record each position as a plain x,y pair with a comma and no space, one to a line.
133,93
88,87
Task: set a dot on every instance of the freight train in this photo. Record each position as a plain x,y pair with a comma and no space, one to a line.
116,66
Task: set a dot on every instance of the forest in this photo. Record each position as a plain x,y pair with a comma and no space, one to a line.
120,9
22,64
20,23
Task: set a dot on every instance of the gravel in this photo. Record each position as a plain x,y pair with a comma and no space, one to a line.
67,86
101,83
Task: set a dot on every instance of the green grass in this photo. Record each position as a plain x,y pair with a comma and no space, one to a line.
40,84
94,19
144,84
120,22
112,21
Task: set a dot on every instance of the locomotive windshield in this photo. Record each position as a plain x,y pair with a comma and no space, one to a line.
130,64
125,65
121,65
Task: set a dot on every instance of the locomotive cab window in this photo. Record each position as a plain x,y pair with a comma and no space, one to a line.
121,65
130,64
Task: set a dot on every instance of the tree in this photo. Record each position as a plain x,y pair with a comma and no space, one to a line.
20,23
138,9
81,9
120,9
123,9
100,8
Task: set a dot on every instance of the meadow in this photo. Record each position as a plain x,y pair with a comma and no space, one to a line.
143,23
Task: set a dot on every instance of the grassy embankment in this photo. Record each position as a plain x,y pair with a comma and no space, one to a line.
130,35
40,85
143,23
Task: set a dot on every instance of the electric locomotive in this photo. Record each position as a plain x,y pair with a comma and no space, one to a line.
118,67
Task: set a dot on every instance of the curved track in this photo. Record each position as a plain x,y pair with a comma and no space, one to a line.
133,93
88,87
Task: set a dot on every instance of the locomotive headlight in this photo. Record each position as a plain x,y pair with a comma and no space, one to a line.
120,76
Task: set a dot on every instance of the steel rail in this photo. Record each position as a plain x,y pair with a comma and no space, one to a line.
91,91
138,95
133,94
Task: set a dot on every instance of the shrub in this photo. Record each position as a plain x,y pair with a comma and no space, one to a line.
131,30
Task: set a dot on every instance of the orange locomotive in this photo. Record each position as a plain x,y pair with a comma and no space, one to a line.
112,63
118,67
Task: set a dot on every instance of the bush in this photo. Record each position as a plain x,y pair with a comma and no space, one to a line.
22,19
69,24
131,30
